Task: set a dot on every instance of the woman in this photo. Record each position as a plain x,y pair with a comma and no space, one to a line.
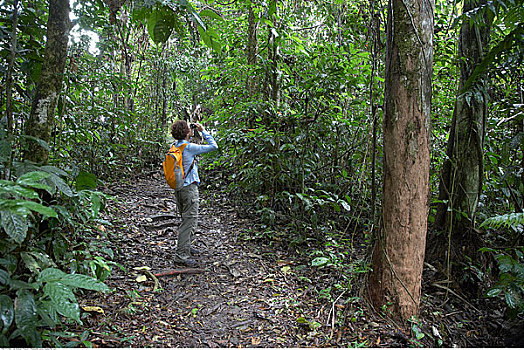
187,198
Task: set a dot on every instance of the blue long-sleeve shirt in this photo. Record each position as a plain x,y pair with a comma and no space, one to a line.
189,154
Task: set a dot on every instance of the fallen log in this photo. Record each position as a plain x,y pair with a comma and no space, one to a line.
179,271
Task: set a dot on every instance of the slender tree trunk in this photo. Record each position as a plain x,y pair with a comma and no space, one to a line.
271,81
398,257
164,98
461,179
520,128
374,29
127,59
10,68
252,49
275,83
42,116
9,88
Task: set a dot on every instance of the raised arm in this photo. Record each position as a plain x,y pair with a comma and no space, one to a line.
211,143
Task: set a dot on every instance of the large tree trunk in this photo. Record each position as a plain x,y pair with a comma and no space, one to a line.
42,116
461,180
398,257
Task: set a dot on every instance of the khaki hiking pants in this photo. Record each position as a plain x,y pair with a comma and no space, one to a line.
187,202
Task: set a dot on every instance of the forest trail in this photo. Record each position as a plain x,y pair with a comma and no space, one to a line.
251,294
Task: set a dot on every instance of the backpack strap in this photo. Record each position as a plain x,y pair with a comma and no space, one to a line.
182,147
191,166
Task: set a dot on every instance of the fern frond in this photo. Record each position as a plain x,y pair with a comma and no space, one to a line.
506,220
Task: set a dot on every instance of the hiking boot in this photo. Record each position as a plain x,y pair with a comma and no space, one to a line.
186,262
194,251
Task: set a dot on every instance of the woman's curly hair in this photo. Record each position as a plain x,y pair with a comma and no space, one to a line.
179,130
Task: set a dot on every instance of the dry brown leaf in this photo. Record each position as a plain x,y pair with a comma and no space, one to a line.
96,309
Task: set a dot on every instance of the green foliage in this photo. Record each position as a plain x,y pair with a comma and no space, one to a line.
416,329
34,242
17,203
36,305
300,157
510,285
163,17
512,220
514,38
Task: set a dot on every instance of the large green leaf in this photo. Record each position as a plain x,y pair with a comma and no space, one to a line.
56,181
211,14
210,38
47,312
14,206
19,191
53,170
4,277
512,297
25,317
16,284
14,225
196,16
160,24
205,37
96,203
4,343
39,208
24,207
33,179
85,282
30,262
50,274
7,312
5,150
85,181
319,261
63,299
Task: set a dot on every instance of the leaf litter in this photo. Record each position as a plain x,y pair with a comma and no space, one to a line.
247,293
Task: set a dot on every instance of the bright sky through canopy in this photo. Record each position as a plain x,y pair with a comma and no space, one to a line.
77,33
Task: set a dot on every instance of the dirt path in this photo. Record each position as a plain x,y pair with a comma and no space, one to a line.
250,295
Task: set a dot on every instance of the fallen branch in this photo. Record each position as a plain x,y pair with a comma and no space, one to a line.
179,271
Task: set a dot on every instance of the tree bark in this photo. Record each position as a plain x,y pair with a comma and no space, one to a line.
10,68
374,34
461,178
9,90
42,116
252,49
271,81
395,281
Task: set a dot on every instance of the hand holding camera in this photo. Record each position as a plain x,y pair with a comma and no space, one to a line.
196,126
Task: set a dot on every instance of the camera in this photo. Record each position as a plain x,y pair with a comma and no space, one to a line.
193,126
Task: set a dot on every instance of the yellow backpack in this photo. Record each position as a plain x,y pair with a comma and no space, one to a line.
173,167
